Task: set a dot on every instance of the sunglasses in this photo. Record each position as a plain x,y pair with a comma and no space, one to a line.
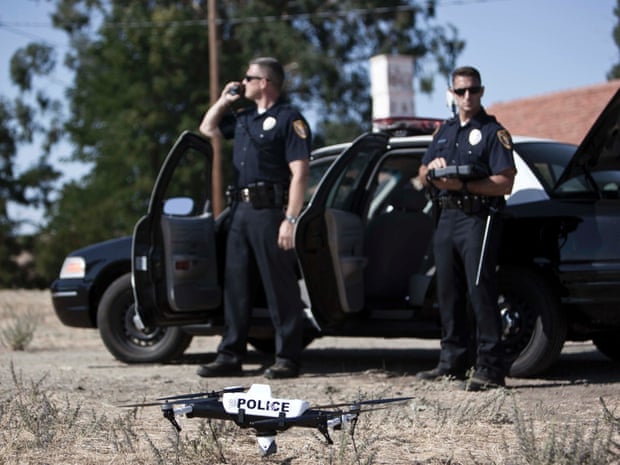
472,90
250,78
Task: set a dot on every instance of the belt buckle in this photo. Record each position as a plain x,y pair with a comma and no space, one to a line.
244,194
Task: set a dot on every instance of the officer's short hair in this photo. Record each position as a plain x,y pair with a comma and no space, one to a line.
273,69
467,71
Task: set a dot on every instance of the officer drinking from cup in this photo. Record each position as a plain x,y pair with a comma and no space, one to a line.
271,165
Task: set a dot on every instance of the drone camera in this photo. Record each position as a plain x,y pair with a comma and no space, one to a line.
266,443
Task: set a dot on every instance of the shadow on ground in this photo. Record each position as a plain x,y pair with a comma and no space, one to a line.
580,365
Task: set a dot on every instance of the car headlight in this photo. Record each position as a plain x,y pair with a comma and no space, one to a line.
73,267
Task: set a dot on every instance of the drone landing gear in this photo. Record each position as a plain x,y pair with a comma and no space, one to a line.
266,442
169,414
324,430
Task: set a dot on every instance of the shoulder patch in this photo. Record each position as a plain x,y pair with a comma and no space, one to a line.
300,128
504,138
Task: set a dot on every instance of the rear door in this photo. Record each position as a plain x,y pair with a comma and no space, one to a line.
174,259
330,232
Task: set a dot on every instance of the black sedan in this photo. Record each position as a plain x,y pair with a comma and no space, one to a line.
363,247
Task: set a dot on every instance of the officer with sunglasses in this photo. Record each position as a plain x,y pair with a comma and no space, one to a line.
466,240
271,153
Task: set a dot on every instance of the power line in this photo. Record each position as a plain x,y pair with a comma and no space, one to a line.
269,18
12,28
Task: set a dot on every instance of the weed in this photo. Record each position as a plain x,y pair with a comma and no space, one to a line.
579,444
38,427
17,334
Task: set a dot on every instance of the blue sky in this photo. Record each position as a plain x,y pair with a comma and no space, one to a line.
523,48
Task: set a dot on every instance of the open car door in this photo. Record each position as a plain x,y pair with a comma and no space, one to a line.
174,263
330,233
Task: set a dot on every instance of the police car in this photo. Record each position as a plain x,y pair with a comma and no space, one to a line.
364,250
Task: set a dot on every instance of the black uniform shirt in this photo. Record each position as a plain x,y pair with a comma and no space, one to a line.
266,143
482,142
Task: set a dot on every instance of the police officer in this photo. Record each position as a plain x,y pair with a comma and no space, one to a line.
466,240
271,166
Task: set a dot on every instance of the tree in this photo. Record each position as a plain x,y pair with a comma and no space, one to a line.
29,187
140,79
614,73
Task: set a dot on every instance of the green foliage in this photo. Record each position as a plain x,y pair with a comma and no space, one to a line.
32,60
31,186
141,77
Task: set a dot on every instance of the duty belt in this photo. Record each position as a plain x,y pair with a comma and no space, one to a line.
260,195
467,203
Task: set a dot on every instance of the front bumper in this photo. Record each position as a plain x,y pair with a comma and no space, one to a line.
71,303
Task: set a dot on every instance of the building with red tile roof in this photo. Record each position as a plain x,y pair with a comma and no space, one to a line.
565,116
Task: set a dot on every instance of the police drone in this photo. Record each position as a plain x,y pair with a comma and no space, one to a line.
266,415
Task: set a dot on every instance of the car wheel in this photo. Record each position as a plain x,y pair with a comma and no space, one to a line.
534,330
124,339
608,344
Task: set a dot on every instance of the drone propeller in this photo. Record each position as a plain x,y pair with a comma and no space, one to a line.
143,404
364,402
205,394
179,399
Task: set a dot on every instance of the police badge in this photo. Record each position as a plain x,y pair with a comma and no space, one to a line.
504,138
300,128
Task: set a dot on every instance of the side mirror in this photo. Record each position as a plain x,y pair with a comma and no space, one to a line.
178,206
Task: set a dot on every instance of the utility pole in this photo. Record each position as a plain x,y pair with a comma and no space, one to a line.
217,191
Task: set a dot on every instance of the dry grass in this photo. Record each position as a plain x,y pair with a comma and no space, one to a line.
67,414
38,427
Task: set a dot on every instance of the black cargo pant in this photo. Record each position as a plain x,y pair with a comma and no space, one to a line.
457,246
253,245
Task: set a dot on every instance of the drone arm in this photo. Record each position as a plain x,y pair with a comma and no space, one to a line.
322,420
208,409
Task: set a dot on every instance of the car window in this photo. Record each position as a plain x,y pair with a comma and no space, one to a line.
607,185
191,179
317,171
393,186
547,160
341,195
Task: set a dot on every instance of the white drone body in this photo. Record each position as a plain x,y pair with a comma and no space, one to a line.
257,401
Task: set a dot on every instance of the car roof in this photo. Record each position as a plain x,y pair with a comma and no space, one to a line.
407,142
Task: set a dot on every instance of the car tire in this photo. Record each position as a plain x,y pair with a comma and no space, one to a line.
534,328
608,344
124,340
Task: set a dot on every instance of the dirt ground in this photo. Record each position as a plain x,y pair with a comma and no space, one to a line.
441,424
